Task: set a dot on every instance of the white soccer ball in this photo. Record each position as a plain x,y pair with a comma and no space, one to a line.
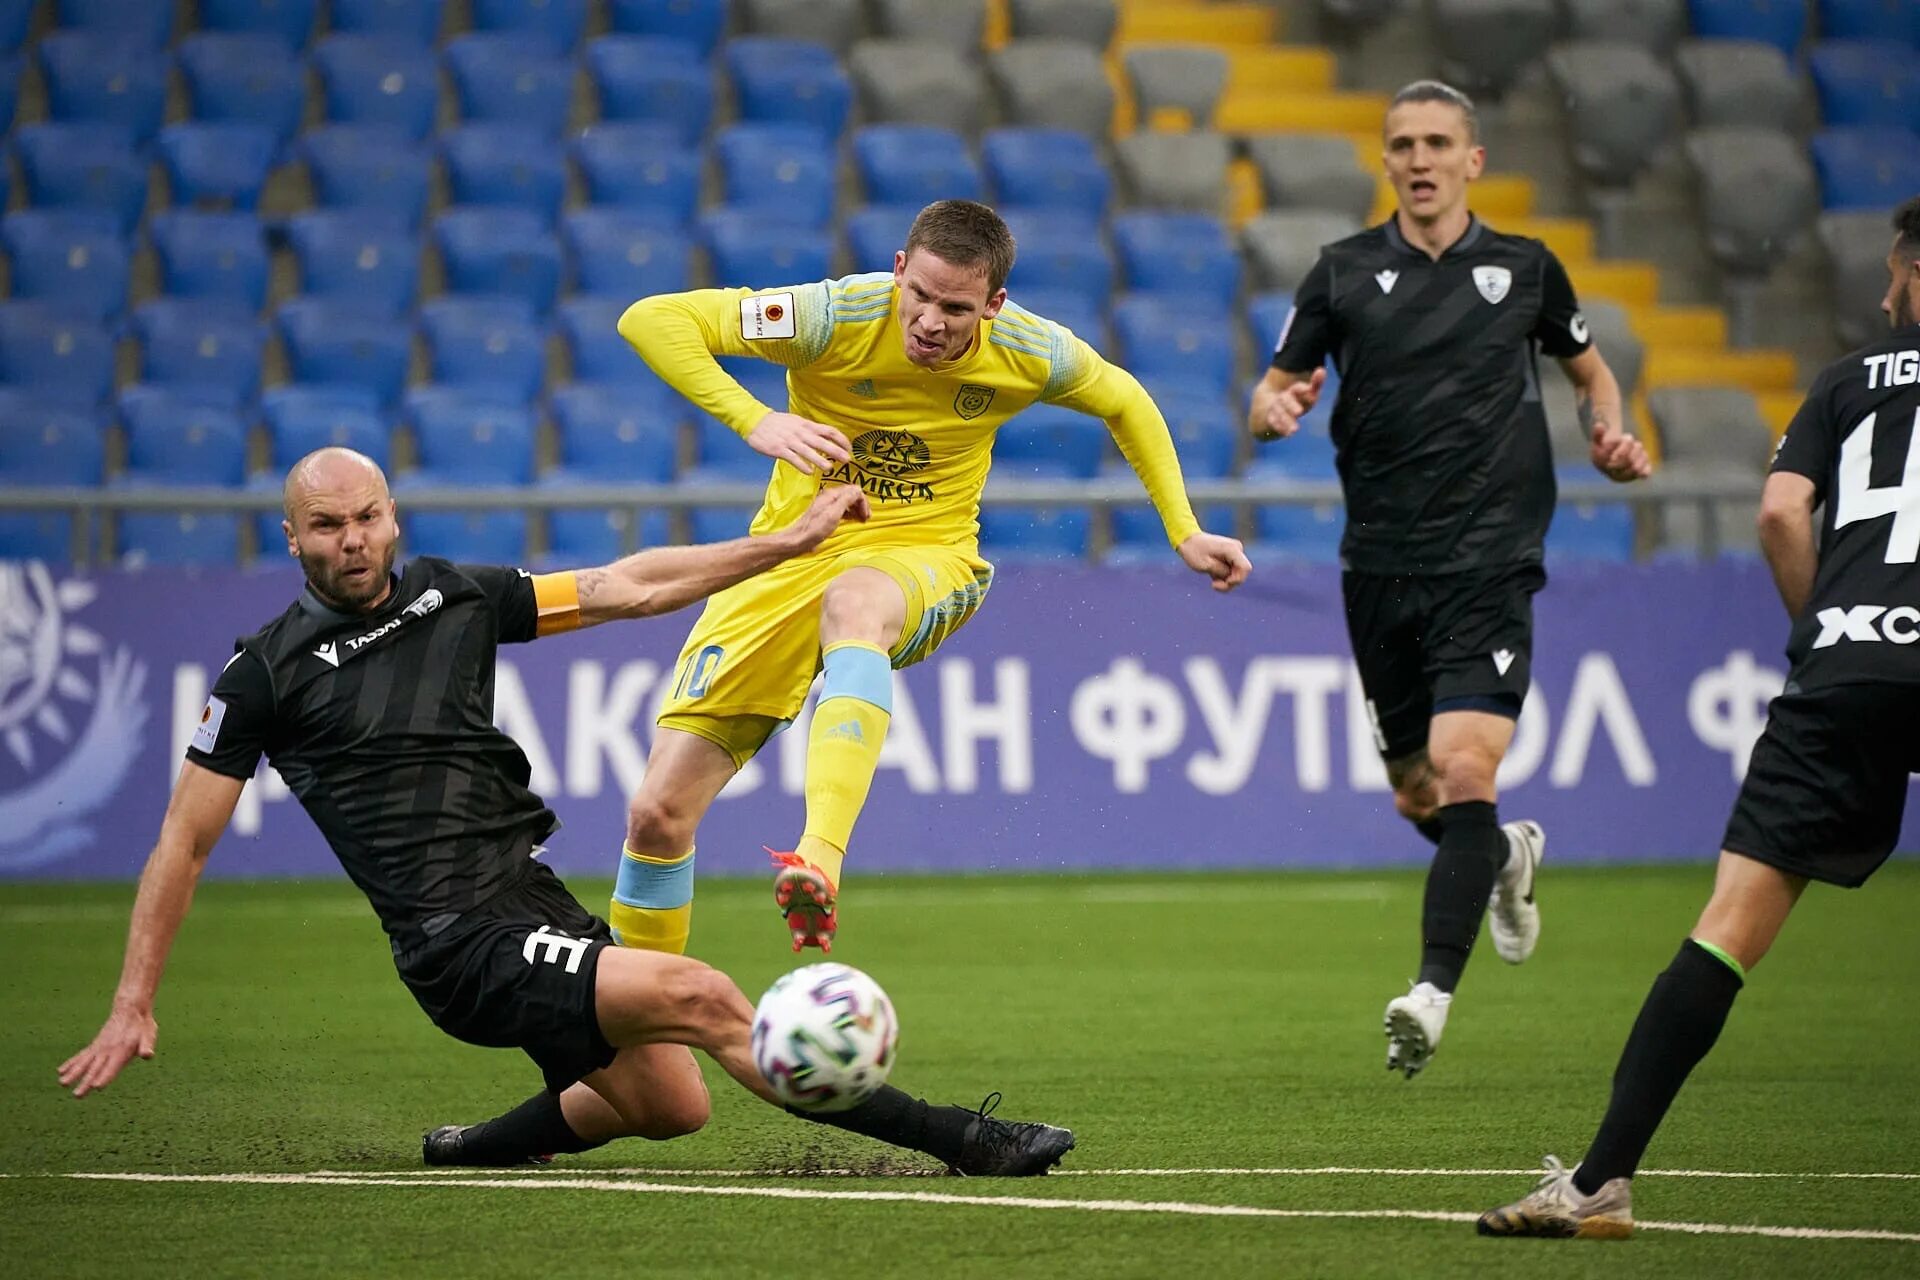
824,1037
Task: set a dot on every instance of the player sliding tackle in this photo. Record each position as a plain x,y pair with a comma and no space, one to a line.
896,383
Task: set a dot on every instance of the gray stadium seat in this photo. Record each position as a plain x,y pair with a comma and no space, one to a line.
960,24
1711,426
1175,170
1757,195
1179,77
1613,333
1563,417
1054,83
917,82
1856,245
1484,45
1682,526
1089,22
1282,245
1654,25
1311,171
834,23
1621,104
1743,82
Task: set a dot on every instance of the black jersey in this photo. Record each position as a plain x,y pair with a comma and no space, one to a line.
1857,437
382,725
1438,428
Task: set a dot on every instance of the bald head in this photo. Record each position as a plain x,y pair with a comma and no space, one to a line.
330,471
340,525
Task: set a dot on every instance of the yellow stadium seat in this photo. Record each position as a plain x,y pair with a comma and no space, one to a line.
1273,68
1502,199
1244,112
999,28
1756,370
1778,408
1631,284
1640,418
1244,198
1171,20
1571,239
1702,328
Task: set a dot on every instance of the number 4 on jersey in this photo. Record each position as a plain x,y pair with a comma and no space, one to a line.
1859,500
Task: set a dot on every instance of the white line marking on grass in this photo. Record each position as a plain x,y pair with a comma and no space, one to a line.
1180,1208
1324,1171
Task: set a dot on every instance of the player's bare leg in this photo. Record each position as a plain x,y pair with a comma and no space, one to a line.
652,906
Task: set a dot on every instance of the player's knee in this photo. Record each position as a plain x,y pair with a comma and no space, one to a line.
658,827
1466,772
673,1115
1416,802
707,1004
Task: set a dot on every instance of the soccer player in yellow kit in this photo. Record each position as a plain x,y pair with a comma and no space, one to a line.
896,383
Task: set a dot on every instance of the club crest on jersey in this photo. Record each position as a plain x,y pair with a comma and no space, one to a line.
972,400
1492,282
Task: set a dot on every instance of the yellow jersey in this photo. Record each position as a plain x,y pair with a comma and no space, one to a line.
922,437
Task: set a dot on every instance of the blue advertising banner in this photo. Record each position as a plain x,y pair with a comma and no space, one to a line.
1087,718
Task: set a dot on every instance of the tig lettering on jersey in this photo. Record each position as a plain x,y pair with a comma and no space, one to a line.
1892,369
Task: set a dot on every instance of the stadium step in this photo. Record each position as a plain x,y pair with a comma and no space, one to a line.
1701,328
1282,112
1631,284
1182,21
1571,239
1757,370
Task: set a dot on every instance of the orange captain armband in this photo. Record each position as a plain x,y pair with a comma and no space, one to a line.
556,599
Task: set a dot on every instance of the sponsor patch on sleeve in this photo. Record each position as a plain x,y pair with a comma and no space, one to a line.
767,315
207,733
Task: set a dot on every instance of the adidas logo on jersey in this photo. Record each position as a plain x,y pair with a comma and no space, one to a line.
1867,623
864,389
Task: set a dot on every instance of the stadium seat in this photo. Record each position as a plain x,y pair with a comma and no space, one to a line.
300,419
744,249
1612,332
1589,532
54,357
219,164
1060,252
207,349
15,15
1281,247
914,165
1654,25
376,80
1780,25
1867,83
97,79
289,21
344,342
1295,532
641,167
1893,21
1089,22
73,261
1161,340
485,344
764,380
618,253
1622,104
1757,193
1070,311
1047,169
351,256
415,21
219,256
875,234
1175,86
45,445
369,167
722,455
700,23
1049,442
595,349
1743,82
614,435
137,22
470,537
10,71
245,78
781,81
1311,171
1486,45
777,172
83,166
177,540
555,25
468,436
1716,426
180,441
499,251
917,82
1053,83
504,164
499,78
1866,168
1856,244
1041,533
1266,317
652,78
1682,527
1186,254
719,524
593,536
1186,171
1205,433
833,23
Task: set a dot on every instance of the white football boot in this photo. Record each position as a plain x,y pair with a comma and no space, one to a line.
1556,1209
1512,914
1414,1023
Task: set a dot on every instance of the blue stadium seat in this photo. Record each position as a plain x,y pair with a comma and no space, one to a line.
182,439
598,353
1866,83
370,167
72,260
777,80
473,537
1206,432
467,436
211,350
221,164
500,78
1266,317
416,21
1069,310
356,255
300,419
1048,441
1897,21
248,78
211,255
504,164
1137,527
875,234
1779,24
45,445
1165,338
1037,533
98,79
344,342
721,455
592,536
1309,534
610,435
499,251
641,166
288,21
719,524
747,250
914,165
10,71
1060,252
14,17
700,23
616,253
652,78
1056,169
764,380
373,80
54,357
779,172
1866,168
140,22
488,344
85,166
1589,531
554,25
1186,254
178,540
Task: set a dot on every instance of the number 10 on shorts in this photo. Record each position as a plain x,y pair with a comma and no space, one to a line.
697,674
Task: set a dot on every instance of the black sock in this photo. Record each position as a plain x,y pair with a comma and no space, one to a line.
1676,1027
534,1128
1472,851
895,1116
1431,829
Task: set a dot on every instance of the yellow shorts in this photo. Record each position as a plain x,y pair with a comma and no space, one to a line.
751,658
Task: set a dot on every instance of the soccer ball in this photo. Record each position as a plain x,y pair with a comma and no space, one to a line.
824,1037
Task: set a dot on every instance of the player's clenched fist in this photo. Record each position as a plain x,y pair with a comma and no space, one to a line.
813,447
1221,558
1620,458
1279,416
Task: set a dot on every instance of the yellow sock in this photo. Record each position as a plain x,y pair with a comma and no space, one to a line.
652,906
843,749
824,855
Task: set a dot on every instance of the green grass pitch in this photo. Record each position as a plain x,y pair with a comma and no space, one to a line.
1221,1023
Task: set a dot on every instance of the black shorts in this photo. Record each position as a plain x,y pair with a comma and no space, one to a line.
517,972
1827,785
1455,641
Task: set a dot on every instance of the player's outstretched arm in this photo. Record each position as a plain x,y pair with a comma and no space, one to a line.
1616,454
1787,504
663,579
1281,399
202,805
